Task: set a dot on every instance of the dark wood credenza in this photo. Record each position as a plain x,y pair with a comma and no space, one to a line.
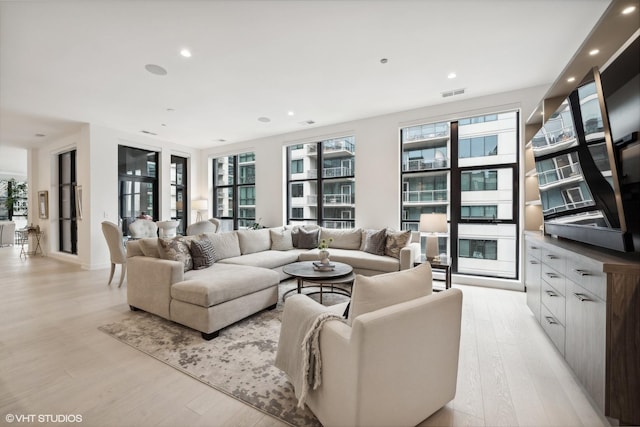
587,300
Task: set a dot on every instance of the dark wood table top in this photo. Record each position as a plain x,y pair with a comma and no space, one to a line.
305,270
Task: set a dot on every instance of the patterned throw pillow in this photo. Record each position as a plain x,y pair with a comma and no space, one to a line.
176,249
375,242
396,241
202,254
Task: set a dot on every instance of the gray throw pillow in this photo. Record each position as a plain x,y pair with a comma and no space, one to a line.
177,249
376,242
202,254
308,239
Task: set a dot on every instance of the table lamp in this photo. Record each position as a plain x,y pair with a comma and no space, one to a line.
199,206
432,224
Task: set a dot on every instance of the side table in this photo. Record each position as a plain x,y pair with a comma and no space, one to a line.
444,267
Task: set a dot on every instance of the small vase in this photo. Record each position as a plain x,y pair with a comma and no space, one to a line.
324,256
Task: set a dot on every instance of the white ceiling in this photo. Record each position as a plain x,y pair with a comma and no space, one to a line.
68,62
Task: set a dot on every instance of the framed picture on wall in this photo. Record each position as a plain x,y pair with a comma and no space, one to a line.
43,204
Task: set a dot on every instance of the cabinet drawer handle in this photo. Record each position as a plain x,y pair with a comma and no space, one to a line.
582,272
552,275
535,248
533,262
552,256
551,320
582,297
551,293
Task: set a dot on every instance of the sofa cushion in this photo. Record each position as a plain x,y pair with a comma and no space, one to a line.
372,293
202,253
254,240
396,240
359,260
295,232
308,239
281,239
176,249
265,259
225,245
149,247
222,282
342,238
374,241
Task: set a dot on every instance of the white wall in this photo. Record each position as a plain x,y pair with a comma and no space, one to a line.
377,169
97,173
13,162
377,162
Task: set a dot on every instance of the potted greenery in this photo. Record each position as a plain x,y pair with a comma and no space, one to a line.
14,192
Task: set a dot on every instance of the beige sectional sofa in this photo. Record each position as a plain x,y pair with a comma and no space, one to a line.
246,270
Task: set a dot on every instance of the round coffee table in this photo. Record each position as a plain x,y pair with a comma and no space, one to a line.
303,271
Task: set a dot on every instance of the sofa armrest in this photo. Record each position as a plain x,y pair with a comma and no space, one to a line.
409,255
149,282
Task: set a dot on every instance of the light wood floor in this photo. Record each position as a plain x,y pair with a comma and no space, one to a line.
53,360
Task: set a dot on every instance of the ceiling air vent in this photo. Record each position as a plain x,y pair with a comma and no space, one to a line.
454,92
148,133
308,122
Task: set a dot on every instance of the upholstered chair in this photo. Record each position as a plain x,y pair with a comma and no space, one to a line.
141,228
392,362
113,236
207,226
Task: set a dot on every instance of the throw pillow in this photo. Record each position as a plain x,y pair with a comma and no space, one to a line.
281,240
149,247
225,245
375,241
396,241
202,253
176,249
252,241
372,293
308,239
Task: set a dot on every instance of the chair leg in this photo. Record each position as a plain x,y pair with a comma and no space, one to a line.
113,270
123,272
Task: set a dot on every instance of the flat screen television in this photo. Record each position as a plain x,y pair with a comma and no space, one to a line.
587,158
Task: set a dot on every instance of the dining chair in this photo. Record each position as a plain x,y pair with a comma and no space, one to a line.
113,236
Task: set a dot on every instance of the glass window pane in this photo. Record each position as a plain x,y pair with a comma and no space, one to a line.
223,171
224,197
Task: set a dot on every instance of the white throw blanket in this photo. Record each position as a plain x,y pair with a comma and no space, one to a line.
311,357
298,347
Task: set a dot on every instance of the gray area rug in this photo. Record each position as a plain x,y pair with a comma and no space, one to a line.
239,362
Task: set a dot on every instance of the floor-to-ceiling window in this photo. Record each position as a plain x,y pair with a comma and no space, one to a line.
467,169
326,198
67,218
138,184
179,192
234,190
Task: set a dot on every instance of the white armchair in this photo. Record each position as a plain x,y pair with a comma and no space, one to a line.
141,228
394,366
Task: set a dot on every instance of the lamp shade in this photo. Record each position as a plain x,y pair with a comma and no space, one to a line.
433,223
200,205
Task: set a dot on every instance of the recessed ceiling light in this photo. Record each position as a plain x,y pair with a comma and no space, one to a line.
171,110
594,52
451,76
40,135
220,140
628,10
163,124
264,119
290,113
384,60
186,53
571,79
156,69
